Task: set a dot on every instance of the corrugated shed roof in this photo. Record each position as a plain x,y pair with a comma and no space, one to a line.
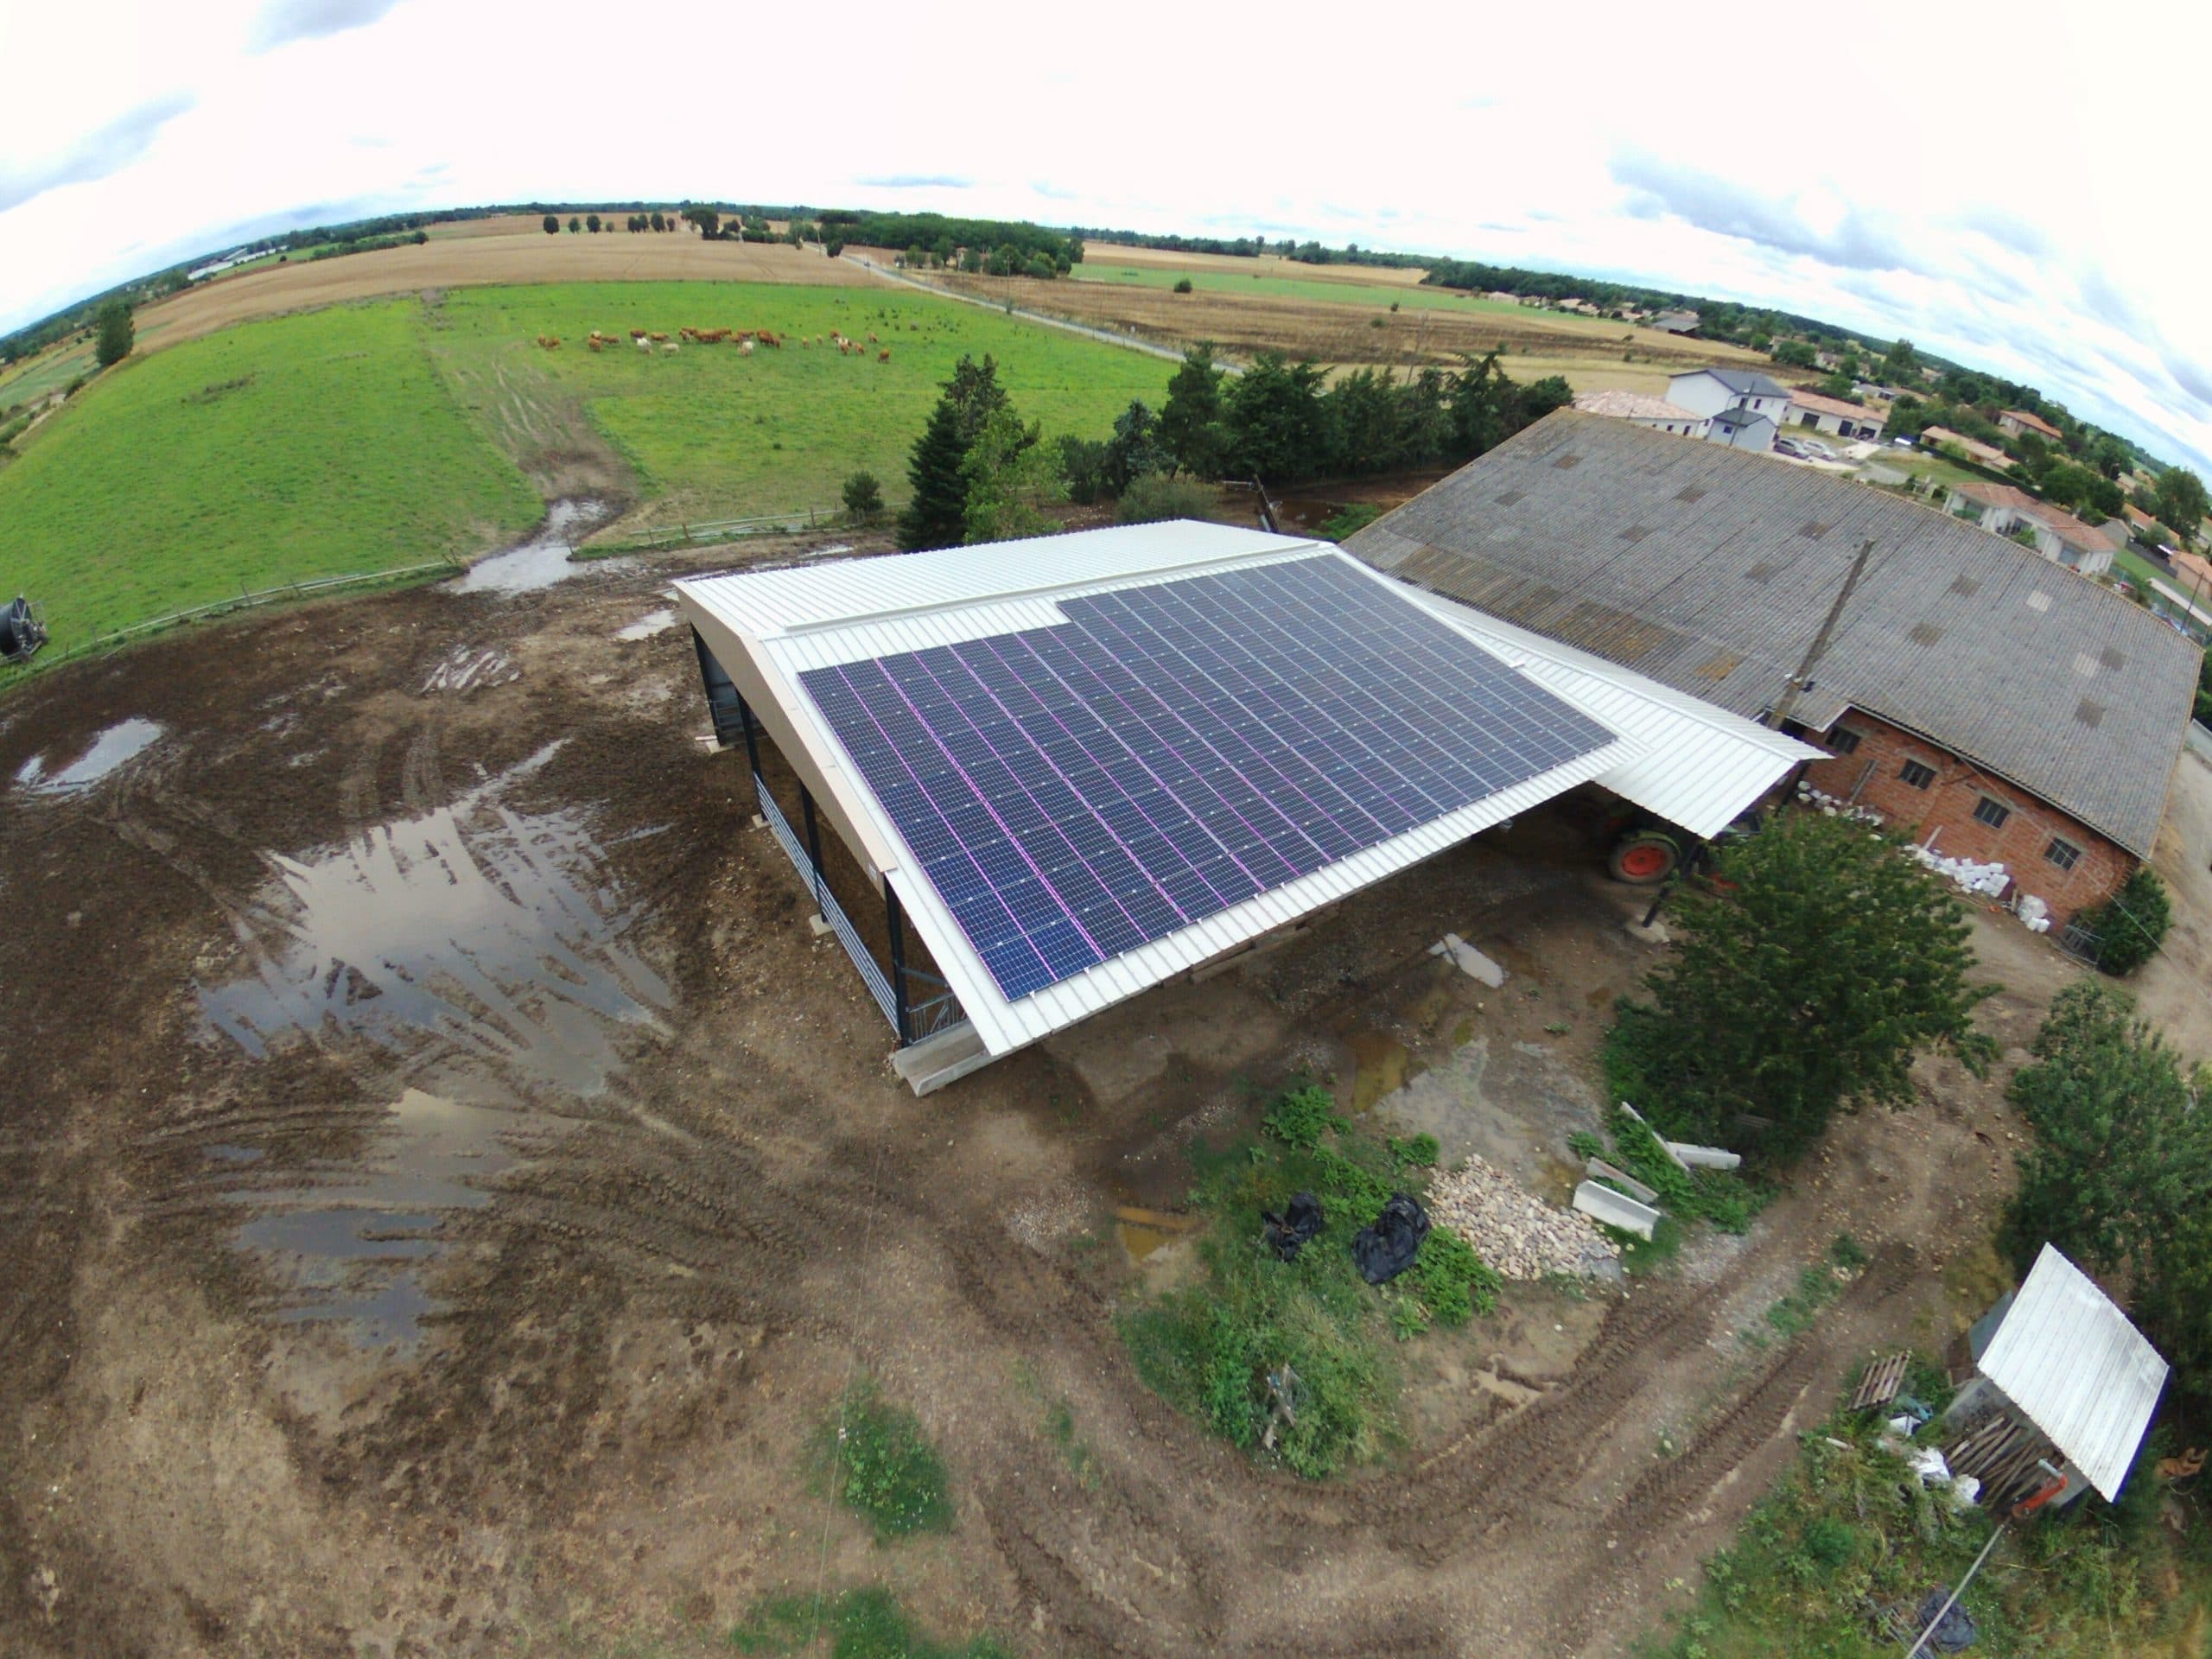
791,620
1710,569
2084,1376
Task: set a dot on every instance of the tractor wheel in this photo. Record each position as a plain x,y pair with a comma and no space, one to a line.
1644,861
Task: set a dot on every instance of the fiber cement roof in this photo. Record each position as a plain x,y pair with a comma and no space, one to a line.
1710,569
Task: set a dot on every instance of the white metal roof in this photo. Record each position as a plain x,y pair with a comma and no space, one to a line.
791,620
2084,1376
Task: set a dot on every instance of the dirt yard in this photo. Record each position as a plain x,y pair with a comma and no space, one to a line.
444,1181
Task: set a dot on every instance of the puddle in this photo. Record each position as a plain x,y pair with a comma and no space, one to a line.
651,623
121,743
544,559
350,1245
1143,1231
469,668
474,930
1381,1065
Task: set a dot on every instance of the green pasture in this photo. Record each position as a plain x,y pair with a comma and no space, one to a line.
714,433
45,373
369,436
1374,296
279,451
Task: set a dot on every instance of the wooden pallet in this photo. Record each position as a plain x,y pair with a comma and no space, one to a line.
2003,1453
1880,1385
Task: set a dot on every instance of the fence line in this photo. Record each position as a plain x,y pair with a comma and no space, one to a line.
722,529
244,600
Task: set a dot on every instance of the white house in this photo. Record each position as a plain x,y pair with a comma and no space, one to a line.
2004,510
1709,392
1643,409
1741,429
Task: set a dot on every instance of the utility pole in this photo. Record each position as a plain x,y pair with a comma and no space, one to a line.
1800,681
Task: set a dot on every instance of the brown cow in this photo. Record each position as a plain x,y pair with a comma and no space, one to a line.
883,356
658,339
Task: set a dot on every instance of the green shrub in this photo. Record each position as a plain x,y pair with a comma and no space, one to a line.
1182,285
1155,496
1300,1117
1583,1144
883,1466
2132,925
863,496
1353,519
1453,1282
862,1624
1421,1151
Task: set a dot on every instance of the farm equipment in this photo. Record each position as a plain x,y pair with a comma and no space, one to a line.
1650,850
21,632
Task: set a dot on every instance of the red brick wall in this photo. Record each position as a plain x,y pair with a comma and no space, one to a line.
1873,773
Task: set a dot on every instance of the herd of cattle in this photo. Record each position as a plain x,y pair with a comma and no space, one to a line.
744,340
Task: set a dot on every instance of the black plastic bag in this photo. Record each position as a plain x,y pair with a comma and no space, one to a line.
1300,1221
1387,1249
1954,1632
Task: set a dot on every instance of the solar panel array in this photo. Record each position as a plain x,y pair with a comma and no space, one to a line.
1074,791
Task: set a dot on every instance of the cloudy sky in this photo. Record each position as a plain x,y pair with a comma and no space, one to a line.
2013,187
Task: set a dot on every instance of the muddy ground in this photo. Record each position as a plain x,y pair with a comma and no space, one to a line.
444,1181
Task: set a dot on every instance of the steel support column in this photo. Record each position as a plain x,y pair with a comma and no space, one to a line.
901,1015
813,841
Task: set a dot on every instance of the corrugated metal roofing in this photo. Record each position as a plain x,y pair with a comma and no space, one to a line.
2084,1376
791,620
1710,570
1700,765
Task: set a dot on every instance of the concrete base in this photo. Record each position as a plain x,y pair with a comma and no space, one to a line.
1616,1209
819,926
1654,934
931,1064
760,823
1470,961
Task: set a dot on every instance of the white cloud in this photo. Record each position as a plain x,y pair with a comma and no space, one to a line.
1994,193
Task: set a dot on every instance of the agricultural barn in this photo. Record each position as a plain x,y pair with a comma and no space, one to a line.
1676,322
1644,409
2056,1394
1026,781
1711,392
1833,415
1965,690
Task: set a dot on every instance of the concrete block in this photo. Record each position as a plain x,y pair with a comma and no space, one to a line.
1470,961
1666,1146
1616,1209
1703,1157
1600,1168
819,924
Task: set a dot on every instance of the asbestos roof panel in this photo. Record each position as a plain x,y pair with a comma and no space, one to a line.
1710,569
2069,1359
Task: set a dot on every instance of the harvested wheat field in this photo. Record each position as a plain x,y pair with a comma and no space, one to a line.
1241,323
1267,264
479,260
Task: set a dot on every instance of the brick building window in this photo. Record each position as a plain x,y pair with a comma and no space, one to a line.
1843,740
1991,812
2063,852
1917,775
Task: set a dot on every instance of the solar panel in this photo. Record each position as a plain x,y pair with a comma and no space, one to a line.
1074,791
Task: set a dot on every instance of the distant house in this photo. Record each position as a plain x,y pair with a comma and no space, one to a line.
1644,409
2058,1392
2002,510
1676,322
2138,519
1937,437
1707,391
2019,423
1833,415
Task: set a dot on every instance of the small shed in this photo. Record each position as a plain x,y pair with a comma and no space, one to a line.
2060,1380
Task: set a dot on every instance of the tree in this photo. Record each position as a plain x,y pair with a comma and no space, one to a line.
1155,497
2182,503
834,246
1805,982
118,334
1183,285
1482,416
1795,354
708,221
2066,482
2108,455
1273,419
1135,449
1190,423
575,224
1010,474
976,394
864,496
1541,397
656,221
2132,925
2119,1174
1902,365
591,223
552,226
937,512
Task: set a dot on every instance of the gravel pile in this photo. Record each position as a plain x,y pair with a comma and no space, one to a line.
1516,1232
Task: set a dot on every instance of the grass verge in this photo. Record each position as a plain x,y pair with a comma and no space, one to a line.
1210,1347
1849,1530
878,1464
857,1624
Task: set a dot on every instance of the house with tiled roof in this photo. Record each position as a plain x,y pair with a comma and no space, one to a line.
2007,509
1988,455
1832,416
1644,409
1966,692
2019,423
